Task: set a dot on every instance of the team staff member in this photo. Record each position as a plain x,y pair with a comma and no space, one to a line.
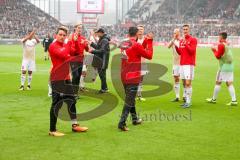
78,54
101,57
187,51
62,90
131,75
46,43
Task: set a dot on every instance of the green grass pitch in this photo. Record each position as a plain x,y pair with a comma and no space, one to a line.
208,132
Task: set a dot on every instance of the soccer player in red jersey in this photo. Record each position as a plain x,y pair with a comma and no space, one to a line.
62,89
78,55
131,75
187,51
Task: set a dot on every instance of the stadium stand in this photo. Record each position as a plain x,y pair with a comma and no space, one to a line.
19,16
207,17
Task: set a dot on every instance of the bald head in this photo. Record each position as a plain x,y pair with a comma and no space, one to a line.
176,33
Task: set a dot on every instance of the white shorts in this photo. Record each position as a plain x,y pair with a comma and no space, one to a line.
28,65
88,58
144,69
84,68
187,72
224,76
176,70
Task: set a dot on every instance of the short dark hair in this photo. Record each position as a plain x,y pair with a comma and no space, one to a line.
224,35
186,25
62,28
132,31
100,30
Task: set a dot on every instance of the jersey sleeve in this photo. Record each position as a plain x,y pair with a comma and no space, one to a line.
146,53
192,46
220,52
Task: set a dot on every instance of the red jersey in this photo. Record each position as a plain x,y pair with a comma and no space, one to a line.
221,49
187,50
131,64
81,45
60,57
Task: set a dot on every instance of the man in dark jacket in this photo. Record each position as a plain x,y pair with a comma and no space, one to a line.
46,43
101,57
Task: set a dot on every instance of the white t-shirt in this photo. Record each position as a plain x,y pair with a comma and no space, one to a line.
144,69
140,41
176,56
29,49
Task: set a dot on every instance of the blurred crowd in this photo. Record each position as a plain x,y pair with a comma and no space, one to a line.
19,16
206,17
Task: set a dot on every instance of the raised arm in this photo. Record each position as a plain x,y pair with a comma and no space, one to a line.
103,48
37,39
146,53
61,53
171,43
220,52
192,46
73,44
25,38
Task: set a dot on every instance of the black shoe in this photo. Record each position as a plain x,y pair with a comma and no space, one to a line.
83,89
103,91
175,100
184,99
77,97
123,128
182,104
21,88
137,122
28,87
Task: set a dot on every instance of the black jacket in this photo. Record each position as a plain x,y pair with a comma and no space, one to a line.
101,53
47,41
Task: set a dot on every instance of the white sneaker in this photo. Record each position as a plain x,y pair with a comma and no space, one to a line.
233,103
49,94
141,99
